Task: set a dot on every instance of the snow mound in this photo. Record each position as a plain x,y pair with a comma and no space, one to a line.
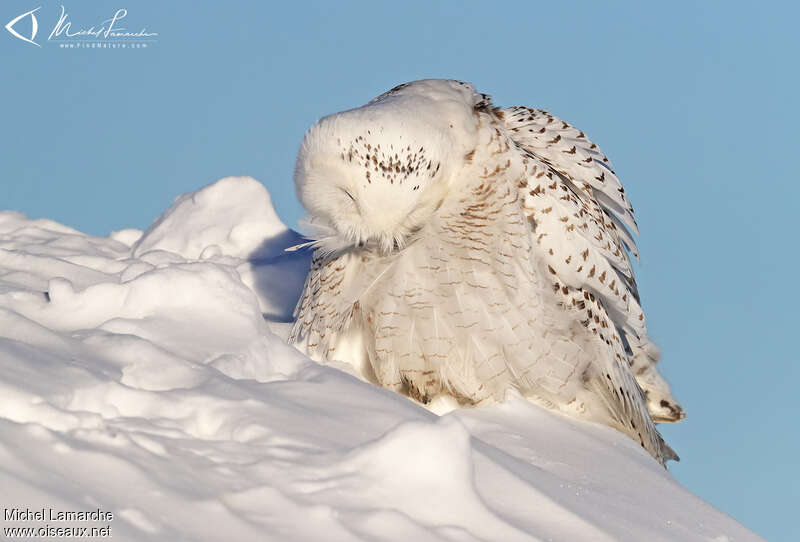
231,221
232,216
142,376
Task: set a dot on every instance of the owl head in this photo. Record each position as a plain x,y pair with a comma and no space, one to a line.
374,176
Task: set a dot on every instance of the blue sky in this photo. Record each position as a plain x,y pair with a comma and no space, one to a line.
694,104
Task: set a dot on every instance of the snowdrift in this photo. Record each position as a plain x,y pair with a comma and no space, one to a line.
144,374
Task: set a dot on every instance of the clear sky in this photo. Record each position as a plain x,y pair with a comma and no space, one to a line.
694,103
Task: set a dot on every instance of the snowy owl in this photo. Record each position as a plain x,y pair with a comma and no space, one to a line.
462,249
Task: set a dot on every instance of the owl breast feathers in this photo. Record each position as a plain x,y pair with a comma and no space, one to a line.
465,250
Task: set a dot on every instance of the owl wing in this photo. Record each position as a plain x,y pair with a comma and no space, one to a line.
582,220
580,213
323,311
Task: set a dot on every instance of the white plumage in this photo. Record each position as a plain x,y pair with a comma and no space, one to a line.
464,249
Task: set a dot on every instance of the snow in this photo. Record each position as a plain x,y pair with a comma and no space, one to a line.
145,374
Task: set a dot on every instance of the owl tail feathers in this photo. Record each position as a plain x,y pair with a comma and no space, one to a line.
669,453
626,405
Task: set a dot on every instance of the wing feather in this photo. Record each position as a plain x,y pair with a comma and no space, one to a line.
571,153
582,245
584,227
593,211
324,310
